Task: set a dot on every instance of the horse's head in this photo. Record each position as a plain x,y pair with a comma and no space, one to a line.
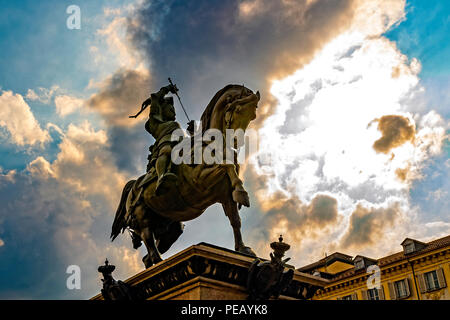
233,107
241,109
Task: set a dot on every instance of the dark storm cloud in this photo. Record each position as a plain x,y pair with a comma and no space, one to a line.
129,146
367,225
320,212
395,130
34,212
206,44
58,214
309,219
323,209
46,226
121,95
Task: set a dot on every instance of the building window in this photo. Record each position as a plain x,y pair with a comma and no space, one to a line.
400,289
372,294
409,248
359,264
349,297
431,280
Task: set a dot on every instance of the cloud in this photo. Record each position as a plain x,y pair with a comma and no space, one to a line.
41,168
251,42
428,143
322,210
19,121
67,104
367,225
125,78
129,146
307,226
434,230
395,130
43,95
57,213
318,135
438,194
6,177
85,163
318,140
121,95
118,40
298,221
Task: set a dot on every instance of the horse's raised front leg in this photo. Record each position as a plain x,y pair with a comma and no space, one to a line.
232,212
240,195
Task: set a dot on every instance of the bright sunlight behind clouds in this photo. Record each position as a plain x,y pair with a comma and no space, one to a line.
347,125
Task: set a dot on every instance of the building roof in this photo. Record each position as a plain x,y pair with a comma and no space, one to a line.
429,246
337,256
413,240
399,256
365,258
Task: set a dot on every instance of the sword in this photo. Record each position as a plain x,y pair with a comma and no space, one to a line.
145,104
176,93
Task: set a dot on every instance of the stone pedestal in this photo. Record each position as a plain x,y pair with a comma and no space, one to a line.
208,272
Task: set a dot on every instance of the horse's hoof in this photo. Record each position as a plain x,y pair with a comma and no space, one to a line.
151,260
156,259
147,261
241,197
246,250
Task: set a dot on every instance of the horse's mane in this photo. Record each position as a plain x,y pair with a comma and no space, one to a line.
206,116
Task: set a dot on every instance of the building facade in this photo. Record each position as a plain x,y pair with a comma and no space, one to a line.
421,271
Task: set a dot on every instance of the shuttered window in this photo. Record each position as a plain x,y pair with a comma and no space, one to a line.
392,291
359,264
373,294
352,296
401,288
441,278
409,248
381,293
364,295
431,280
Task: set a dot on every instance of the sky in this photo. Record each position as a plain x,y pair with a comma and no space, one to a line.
353,126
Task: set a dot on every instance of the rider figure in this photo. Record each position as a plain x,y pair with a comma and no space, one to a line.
160,124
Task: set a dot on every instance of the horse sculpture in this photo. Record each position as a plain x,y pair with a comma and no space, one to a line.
156,219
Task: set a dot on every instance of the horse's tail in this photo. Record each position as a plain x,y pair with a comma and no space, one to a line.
119,223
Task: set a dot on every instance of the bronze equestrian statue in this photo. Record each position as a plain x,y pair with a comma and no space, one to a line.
154,206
